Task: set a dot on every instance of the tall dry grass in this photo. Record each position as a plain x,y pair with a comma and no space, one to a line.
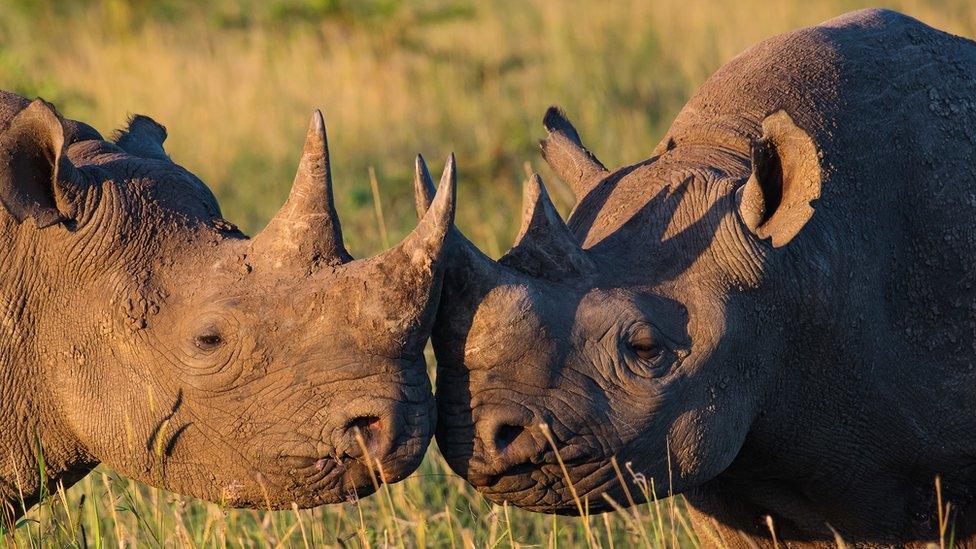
235,83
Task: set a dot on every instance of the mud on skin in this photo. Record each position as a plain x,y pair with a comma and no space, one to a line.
772,315
141,329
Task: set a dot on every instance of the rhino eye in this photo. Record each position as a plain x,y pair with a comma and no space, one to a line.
644,343
208,341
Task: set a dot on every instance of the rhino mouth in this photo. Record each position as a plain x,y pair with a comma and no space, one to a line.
545,488
487,481
318,472
313,480
482,473
350,457
543,485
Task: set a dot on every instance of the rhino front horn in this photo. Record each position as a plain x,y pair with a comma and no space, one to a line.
469,266
410,273
306,229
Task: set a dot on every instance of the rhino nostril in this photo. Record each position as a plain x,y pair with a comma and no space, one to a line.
365,433
506,435
363,423
368,427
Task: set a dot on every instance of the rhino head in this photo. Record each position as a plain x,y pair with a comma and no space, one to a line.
625,339
150,334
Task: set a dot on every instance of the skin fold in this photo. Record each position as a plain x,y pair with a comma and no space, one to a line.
772,315
140,329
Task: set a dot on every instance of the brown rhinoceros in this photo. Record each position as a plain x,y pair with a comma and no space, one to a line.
775,314
140,329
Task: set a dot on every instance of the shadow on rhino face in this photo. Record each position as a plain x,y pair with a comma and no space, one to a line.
588,208
492,411
609,360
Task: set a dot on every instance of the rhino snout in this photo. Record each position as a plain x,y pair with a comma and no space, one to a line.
509,441
388,436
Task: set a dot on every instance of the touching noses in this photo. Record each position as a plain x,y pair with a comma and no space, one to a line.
508,438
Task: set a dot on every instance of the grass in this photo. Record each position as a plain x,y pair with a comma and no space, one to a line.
235,82
432,508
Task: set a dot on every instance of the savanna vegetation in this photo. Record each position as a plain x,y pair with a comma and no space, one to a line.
235,82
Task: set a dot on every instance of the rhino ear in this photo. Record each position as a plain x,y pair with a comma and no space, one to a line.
143,137
776,201
36,180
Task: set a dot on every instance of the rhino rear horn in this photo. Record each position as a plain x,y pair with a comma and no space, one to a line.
563,150
306,229
37,180
545,247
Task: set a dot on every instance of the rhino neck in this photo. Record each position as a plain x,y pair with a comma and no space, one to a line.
30,430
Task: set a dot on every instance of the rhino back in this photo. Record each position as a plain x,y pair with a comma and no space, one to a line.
878,91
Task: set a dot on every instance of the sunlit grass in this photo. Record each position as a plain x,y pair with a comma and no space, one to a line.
235,82
431,508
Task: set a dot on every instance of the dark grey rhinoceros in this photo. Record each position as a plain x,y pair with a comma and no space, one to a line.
775,314
140,329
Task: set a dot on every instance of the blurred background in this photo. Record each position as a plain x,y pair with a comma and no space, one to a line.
235,82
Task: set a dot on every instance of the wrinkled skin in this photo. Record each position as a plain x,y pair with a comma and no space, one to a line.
773,315
140,329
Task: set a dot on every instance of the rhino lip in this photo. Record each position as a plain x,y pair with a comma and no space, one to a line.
491,479
321,463
531,495
487,478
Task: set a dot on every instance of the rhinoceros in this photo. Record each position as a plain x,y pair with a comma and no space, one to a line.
140,329
774,314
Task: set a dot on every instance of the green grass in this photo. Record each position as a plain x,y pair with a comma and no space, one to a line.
235,82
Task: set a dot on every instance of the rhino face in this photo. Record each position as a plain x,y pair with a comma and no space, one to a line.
253,372
604,372
563,371
587,367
